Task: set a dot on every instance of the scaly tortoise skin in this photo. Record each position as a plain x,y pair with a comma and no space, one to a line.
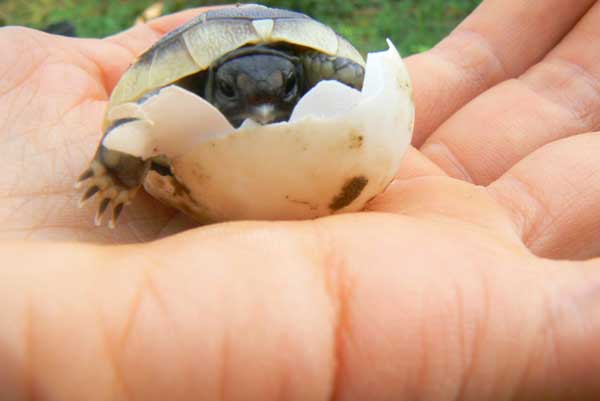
190,53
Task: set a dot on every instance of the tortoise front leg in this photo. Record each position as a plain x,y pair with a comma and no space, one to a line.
114,177
319,67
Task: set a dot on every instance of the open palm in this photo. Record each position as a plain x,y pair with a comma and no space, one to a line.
52,101
439,291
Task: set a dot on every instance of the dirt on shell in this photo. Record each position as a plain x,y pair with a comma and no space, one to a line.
350,191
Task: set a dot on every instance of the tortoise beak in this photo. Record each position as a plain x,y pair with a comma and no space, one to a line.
263,114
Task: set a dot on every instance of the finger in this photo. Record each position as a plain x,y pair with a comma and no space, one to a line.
500,40
553,196
150,332
557,98
440,321
207,315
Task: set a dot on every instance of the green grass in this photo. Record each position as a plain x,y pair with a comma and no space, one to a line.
413,25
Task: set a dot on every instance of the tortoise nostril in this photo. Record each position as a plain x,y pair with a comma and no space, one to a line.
264,114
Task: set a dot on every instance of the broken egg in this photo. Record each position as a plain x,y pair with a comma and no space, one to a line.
340,148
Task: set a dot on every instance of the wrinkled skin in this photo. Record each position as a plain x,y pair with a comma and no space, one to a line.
453,286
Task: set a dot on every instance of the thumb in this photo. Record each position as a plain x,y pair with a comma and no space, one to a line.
263,311
180,319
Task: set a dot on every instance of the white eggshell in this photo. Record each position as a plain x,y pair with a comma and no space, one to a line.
340,148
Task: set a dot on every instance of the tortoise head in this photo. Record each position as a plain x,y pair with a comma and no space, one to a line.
262,86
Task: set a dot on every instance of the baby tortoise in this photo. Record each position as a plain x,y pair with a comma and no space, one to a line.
249,61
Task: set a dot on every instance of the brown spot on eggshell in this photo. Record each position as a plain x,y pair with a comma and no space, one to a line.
350,191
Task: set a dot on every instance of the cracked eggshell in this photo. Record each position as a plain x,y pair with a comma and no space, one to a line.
340,148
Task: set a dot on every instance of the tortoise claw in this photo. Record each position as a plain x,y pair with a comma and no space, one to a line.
103,205
115,215
91,191
89,173
97,182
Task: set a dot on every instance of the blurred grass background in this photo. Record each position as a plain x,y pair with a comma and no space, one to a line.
413,25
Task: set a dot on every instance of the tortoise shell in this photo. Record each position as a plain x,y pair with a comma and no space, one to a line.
193,47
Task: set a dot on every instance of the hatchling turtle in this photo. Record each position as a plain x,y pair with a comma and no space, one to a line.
249,61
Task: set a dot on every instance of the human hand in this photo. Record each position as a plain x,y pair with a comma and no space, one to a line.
434,294
53,95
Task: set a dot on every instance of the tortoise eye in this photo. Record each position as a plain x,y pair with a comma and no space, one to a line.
290,85
226,89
